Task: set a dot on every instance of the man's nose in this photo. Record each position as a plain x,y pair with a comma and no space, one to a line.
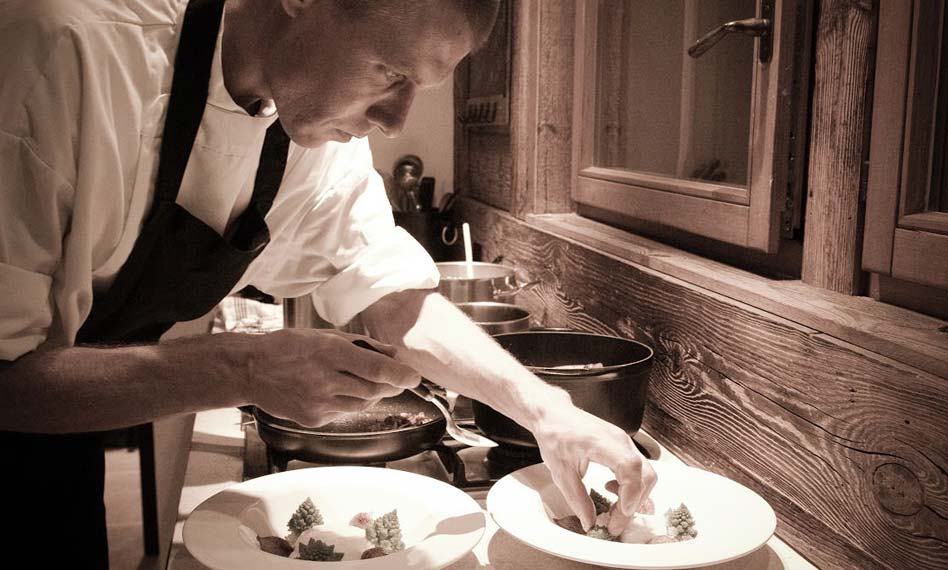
390,113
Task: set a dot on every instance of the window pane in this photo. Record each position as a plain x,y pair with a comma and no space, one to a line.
661,111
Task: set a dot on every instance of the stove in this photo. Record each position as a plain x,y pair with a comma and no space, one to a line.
472,469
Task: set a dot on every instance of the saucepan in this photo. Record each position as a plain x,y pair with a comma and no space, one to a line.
497,318
605,375
491,282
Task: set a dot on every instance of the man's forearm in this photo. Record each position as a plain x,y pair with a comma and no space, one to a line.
87,389
441,343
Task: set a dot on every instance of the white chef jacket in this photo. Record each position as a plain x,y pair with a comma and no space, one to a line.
84,87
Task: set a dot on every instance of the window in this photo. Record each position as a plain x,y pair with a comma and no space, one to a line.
907,201
711,145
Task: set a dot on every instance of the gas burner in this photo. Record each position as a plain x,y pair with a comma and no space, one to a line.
469,468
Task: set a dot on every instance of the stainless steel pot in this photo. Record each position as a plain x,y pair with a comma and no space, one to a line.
487,282
497,318
606,376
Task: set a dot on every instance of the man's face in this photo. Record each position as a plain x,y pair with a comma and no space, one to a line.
333,77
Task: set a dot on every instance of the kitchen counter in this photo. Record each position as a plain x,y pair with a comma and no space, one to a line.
215,462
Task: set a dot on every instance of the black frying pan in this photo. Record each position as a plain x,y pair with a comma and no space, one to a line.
355,439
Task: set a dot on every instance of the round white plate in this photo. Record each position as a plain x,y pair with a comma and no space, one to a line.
440,524
732,520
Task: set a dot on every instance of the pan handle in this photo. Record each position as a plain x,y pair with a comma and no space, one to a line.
504,293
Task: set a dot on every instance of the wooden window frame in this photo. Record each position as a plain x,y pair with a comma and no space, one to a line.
749,217
902,239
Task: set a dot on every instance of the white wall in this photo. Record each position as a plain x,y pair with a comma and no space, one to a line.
429,133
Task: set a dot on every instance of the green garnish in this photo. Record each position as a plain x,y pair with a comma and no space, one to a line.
602,504
386,533
319,551
305,517
681,525
601,532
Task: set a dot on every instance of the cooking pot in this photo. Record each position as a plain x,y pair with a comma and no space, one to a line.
606,376
487,282
496,318
357,438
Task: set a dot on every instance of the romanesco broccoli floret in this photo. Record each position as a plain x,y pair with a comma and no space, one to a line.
306,516
600,532
602,504
386,533
681,525
319,551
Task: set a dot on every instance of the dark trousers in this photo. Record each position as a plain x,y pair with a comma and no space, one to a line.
54,511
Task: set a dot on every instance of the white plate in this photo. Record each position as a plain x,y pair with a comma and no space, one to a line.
440,524
732,520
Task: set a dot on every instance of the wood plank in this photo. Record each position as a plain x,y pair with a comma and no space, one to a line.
892,331
712,219
929,300
833,227
916,258
554,107
936,222
888,121
850,447
777,94
731,193
490,168
526,53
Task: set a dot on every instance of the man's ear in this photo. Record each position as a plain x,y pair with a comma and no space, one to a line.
294,8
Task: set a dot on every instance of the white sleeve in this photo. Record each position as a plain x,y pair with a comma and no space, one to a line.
33,216
348,251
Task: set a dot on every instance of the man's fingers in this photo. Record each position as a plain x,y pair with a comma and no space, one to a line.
618,521
351,385
634,475
376,367
571,485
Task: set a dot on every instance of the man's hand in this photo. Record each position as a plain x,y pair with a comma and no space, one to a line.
314,376
570,439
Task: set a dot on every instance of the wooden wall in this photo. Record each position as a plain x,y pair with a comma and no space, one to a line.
849,447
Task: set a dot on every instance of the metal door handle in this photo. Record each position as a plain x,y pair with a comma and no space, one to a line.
762,28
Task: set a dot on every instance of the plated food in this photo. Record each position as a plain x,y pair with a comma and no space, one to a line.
674,525
696,518
307,540
393,518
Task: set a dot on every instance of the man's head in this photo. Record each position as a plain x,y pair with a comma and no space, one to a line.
340,68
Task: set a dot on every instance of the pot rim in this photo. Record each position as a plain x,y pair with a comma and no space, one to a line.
508,271
525,316
540,370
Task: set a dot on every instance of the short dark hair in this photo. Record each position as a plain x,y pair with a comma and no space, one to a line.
480,14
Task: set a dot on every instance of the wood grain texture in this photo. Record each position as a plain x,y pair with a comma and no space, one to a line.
890,330
888,129
849,447
490,168
554,108
526,169
915,258
833,227
929,300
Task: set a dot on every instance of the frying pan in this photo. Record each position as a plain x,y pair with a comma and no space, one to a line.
354,439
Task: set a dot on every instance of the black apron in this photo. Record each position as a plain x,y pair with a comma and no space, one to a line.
178,270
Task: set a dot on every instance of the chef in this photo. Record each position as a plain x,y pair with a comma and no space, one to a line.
156,155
